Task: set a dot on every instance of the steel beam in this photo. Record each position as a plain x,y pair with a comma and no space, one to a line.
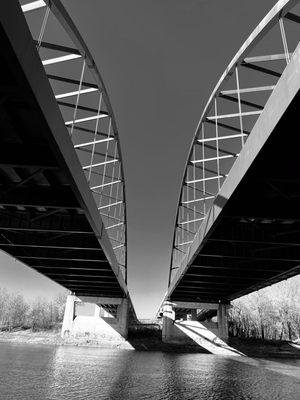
244,102
261,69
48,247
195,305
292,17
47,230
249,90
61,259
227,276
67,268
269,57
249,257
66,274
60,59
23,156
101,300
40,196
57,47
71,81
34,5
255,242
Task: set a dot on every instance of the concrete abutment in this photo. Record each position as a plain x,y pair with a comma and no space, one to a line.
177,314
97,319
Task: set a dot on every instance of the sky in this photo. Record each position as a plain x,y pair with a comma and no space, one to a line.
160,60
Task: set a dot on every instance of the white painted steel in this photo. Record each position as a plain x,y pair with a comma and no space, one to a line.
77,146
196,200
34,5
271,57
249,90
234,115
104,185
80,120
206,179
99,164
221,138
193,220
60,59
75,93
215,158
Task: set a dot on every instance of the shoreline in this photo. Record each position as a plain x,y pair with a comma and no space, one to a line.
251,347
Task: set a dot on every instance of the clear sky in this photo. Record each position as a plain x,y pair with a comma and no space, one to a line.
159,59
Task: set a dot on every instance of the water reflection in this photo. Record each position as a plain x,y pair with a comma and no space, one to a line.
44,372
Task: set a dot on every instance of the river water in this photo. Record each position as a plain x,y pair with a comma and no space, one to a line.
38,372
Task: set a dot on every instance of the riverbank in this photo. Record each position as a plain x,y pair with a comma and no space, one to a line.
259,348
28,336
256,348
137,342
52,337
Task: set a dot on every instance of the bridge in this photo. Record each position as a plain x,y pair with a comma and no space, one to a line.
237,224
62,196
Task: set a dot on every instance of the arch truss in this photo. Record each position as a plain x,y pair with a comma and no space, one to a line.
85,107
229,117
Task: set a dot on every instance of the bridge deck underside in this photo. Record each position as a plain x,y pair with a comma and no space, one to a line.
42,223
256,239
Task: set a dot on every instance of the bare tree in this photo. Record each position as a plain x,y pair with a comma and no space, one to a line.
270,313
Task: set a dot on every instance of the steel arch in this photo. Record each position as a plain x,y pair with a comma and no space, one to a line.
104,170
211,154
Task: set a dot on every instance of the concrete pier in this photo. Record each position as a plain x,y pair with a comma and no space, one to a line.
96,318
181,326
67,326
222,317
168,322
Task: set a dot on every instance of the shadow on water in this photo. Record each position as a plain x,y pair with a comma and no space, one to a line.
164,376
38,372
151,340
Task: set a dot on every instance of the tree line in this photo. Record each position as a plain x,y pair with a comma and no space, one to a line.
272,313
40,314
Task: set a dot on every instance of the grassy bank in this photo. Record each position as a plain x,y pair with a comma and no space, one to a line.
52,337
28,336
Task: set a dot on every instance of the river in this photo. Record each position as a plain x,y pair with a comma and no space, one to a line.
38,372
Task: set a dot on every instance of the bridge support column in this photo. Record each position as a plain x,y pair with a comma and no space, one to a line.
69,315
222,315
168,321
187,314
122,316
96,319
194,315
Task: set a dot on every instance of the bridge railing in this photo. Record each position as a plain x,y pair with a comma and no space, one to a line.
85,106
228,118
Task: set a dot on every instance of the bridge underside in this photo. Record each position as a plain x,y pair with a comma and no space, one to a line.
44,220
255,240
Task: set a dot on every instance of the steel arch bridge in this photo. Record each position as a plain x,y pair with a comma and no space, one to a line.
86,109
60,213
213,259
